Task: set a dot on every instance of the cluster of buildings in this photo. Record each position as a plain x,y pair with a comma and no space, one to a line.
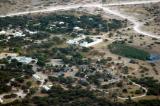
81,41
41,79
13,33
17,33
22,59
107,74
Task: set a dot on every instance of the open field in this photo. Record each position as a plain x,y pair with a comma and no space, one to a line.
124,66
148,14
13,6
140,68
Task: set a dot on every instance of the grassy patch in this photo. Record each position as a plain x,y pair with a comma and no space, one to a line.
125,50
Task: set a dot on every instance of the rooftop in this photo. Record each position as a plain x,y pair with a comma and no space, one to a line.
24,59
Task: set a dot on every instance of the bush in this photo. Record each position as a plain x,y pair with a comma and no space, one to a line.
138,91
152,85
125,50
10,96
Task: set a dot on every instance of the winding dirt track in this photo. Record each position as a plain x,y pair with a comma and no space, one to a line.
105,7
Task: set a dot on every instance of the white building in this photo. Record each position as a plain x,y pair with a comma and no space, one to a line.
31,32
77,29
2,32
76,40
1,101
86,44
81,41
25,60
61,23
37,77
47,87
18,34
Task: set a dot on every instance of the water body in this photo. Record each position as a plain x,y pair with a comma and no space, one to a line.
154,58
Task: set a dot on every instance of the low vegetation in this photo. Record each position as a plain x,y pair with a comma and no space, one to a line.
125,50
152,85
76,97
12,70
62,24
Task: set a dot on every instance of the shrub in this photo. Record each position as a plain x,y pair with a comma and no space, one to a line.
125,50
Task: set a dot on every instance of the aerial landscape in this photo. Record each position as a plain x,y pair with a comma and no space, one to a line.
79,52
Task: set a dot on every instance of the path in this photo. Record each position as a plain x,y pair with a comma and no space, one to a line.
135,97
19,93
133,2
137,25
